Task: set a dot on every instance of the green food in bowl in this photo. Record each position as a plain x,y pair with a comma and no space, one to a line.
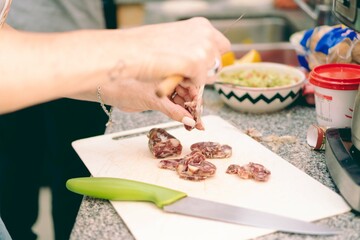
258,78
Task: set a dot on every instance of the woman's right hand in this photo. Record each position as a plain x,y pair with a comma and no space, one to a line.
187,48
136,96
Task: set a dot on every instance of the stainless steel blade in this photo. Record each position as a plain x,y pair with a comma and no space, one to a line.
233,214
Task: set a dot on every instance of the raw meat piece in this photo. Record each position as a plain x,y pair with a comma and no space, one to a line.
170,164
194,167
233,169
195,108
162,144
212,149
251,170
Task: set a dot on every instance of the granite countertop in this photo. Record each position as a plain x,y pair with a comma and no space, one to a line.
97,219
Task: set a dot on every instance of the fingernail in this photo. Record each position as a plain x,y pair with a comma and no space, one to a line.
188,121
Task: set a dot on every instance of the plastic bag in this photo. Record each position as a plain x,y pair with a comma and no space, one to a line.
329,44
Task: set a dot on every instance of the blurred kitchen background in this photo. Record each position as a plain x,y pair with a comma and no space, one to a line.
264,22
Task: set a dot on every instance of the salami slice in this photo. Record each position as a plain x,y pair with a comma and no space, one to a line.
195,108
162,144
194,167
212,149
233,169
251,170
170,164
258,172
191,108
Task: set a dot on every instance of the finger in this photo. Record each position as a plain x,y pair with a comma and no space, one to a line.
177,112
185,93
222,42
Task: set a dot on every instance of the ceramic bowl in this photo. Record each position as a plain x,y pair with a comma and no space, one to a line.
260,99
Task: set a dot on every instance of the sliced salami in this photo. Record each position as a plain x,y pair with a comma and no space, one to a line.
194,167
212,149
251,170
191,107
170,164
233,169
195,108
245,173
162,144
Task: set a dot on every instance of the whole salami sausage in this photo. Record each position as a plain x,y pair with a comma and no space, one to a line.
162,144
212,149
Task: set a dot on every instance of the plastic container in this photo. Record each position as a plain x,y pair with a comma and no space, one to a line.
335,87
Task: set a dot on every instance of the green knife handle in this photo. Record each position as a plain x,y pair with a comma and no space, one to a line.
118,189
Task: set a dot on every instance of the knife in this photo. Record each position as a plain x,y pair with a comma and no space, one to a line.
117,189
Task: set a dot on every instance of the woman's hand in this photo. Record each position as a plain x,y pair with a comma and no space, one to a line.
145,56
136,96
187,48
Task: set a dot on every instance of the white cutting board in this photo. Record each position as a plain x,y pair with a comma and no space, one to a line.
289,191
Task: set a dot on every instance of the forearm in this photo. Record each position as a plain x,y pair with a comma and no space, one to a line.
40,67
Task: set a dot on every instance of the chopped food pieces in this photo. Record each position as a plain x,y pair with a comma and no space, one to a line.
259,78
195,167
162,144
233,169
251,170
212,149
192,167
254,133
273,141
170,164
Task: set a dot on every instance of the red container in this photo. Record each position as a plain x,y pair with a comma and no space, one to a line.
335,88
338,76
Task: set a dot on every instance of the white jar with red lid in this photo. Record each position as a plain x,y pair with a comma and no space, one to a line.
335,87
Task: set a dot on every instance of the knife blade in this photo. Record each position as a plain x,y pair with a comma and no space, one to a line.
118,189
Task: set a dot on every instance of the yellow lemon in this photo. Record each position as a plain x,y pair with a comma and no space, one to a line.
249,57
228,59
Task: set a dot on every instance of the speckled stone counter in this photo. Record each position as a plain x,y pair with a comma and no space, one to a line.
97,219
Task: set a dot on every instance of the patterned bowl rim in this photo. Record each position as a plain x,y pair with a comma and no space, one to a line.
261,97
263,89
